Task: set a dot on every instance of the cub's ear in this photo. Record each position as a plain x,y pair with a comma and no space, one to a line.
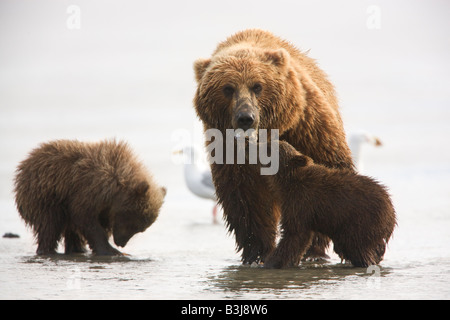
299,161
164,191
200,66
278,57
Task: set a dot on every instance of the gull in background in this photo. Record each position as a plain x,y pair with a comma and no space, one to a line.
356,141
198,177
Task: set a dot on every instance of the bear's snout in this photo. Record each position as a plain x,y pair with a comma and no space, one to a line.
120,242
121,239
245,116
245,120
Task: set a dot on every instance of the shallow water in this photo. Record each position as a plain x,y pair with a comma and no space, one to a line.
190,258
115,78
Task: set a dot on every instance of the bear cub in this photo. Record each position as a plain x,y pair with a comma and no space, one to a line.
84,192
355,211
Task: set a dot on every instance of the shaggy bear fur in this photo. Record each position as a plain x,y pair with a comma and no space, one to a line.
257,80
85,192
353,210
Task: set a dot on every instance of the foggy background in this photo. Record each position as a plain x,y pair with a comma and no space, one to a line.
91,70
124,69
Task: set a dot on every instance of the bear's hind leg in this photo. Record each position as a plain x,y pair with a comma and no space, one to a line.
47,243
361,255
74,242
371,255
49,231
318,248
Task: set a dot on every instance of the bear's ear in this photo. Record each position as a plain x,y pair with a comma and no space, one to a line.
278,57
200,66
164,191
142,188
299,161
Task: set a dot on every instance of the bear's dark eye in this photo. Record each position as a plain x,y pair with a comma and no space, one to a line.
228,91
257,88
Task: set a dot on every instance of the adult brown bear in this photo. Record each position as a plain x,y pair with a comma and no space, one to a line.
255,80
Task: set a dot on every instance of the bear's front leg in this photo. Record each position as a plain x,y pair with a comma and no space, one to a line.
97,239
259,235
290,249
249,209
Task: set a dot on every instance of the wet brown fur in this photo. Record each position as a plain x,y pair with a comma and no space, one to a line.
296,98
355,211
84,192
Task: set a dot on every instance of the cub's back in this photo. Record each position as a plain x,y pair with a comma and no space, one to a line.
56,170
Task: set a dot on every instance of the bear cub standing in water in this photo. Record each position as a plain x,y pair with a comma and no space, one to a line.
353,210
85,192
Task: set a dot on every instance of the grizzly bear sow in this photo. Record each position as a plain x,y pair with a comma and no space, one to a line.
84,192
353,210
255,80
